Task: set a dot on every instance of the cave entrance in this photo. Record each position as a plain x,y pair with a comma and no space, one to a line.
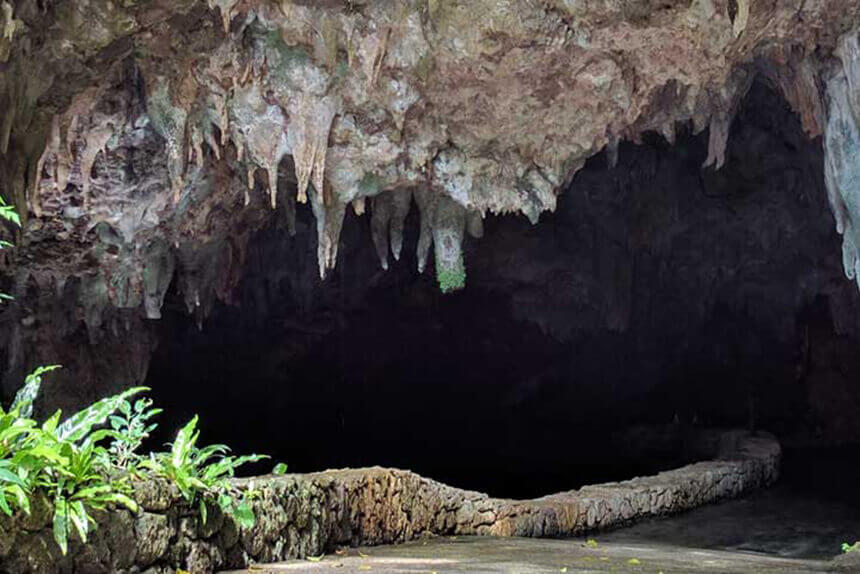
659,298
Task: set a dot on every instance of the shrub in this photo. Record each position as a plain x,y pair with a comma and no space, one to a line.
202,474
72,464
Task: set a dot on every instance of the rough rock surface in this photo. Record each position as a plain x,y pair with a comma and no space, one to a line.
147,141
305,515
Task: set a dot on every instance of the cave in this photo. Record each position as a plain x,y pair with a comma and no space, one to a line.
429,286
657,299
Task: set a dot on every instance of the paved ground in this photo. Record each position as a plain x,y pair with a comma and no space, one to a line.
781,521
532,556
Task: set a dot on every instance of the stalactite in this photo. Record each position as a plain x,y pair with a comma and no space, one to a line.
329,224
475,224
718,139
390,209
10,26
252,170
797,83
96,140
849,52
226,8
739,22
195,151
258,131
842,148
169,121
426,201
402,200
443,223
159,265
379,222
52,148
375,51
308,133
612,151
448,228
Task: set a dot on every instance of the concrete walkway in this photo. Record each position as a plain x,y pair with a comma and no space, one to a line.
476,555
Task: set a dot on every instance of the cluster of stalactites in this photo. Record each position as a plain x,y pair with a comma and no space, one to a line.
443,223
265,125
842,152
71,140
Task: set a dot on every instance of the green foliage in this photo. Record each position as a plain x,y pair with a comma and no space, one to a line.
68,464
280,468
202,474
131,427
26,395
7,213
846,548
57,461
451,279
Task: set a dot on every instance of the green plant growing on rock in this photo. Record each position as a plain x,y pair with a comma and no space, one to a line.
847,548
451,279
201,474
7,213
131,426
58,461
69,467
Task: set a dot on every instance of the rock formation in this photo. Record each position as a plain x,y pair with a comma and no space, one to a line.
145,143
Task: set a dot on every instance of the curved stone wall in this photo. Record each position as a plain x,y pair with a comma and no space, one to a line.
301,515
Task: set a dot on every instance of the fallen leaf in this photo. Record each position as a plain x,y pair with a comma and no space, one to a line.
634,562
365,567
315,558
591,543
363,555
563,569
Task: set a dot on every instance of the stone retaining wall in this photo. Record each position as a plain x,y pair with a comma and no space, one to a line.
301,515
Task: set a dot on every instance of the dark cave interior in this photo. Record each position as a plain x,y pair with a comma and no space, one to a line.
657,296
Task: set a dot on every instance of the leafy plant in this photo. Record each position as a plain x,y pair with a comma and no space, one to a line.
846,548
131,427
68,463
58,461
201,474
7,213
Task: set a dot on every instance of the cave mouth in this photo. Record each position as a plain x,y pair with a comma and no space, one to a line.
659,298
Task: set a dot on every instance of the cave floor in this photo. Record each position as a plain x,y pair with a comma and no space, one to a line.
532,556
